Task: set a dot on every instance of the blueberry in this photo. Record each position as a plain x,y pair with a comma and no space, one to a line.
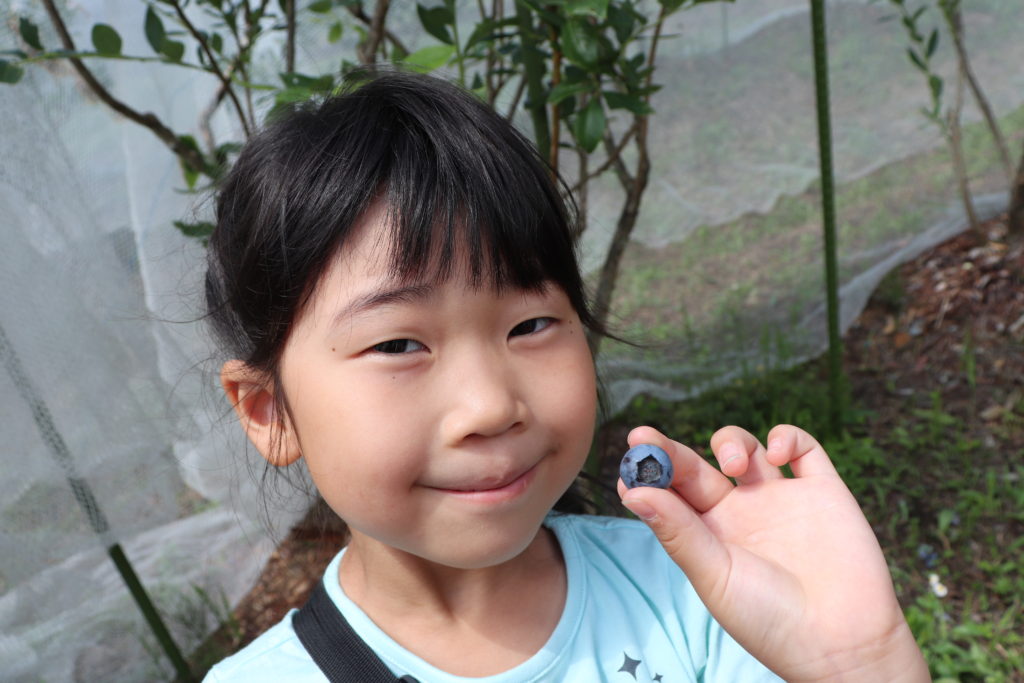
646,465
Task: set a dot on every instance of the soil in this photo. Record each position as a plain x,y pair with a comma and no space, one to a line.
961,302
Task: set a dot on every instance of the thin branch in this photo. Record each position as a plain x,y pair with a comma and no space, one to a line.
643,119
954,135
556,79
251,29
289,45
625,178
367,50
205,131
533,74
615,154
213,63
954,19
516,98
489,63
189,155
582,194
358,12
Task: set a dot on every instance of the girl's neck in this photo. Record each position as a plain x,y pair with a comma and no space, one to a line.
435,611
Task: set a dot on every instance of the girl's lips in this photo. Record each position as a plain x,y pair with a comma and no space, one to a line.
498,494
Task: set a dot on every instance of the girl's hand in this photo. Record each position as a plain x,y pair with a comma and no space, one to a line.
789,567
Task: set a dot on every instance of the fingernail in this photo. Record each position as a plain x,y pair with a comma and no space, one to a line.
641,510
730,452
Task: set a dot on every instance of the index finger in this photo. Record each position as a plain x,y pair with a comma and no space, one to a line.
700,484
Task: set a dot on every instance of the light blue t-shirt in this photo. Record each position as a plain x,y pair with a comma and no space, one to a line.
630,615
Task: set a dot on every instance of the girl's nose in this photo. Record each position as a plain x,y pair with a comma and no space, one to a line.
484,399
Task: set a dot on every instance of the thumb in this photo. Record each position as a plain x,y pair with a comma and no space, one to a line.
686,538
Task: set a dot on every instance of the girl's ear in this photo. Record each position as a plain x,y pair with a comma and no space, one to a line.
252,397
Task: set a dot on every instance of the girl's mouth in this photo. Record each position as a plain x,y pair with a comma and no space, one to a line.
497,492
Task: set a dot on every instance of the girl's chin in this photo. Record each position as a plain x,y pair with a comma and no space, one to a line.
468,547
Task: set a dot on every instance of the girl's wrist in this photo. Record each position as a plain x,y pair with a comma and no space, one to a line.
897,659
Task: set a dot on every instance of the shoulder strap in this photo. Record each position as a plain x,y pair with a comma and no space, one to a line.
335,647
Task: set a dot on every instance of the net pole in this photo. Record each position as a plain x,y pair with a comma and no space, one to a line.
828,209
87,501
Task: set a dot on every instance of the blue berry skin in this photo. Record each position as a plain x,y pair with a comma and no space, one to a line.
646,465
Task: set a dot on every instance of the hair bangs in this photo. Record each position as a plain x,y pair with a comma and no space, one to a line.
464,191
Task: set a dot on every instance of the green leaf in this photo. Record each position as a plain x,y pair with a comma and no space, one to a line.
106,40
201,230
935,83
217,43
154,28
173,50
580,42
435,21
321,6
431,57
589,125
29,33
618,100
587,8
487,30
564,90
312,84
10,73
623,20
933,42
916,59
190,173
671,5
334,34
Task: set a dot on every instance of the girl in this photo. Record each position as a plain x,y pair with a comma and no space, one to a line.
394,278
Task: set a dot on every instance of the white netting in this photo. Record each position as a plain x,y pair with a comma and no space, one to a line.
91,267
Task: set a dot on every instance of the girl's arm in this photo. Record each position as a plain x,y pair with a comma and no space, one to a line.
789,567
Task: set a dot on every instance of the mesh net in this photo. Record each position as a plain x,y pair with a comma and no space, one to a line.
113,433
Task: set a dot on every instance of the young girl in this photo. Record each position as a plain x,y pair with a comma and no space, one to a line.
394,277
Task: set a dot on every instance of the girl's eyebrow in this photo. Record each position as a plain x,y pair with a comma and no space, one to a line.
381,297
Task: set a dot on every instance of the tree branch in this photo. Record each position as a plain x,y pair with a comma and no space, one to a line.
615,154
190,156
520,89
954,20
533,75
358,12
215,68
367,50
289,45
615,160
556,79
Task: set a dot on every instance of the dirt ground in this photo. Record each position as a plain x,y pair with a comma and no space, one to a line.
963,299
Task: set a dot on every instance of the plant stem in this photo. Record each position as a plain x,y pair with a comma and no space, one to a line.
821,91
190,156
533,74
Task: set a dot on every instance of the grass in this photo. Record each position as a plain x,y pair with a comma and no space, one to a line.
947,507
741,275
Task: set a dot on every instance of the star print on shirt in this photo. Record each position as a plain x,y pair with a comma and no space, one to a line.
629,665
657,677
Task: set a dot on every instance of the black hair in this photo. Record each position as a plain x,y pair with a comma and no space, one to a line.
448,169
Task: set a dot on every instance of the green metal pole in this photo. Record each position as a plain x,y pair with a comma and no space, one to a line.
828,208
87,501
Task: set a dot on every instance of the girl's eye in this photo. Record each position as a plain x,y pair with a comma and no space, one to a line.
397,346
530,326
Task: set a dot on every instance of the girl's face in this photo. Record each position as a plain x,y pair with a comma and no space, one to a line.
438,419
